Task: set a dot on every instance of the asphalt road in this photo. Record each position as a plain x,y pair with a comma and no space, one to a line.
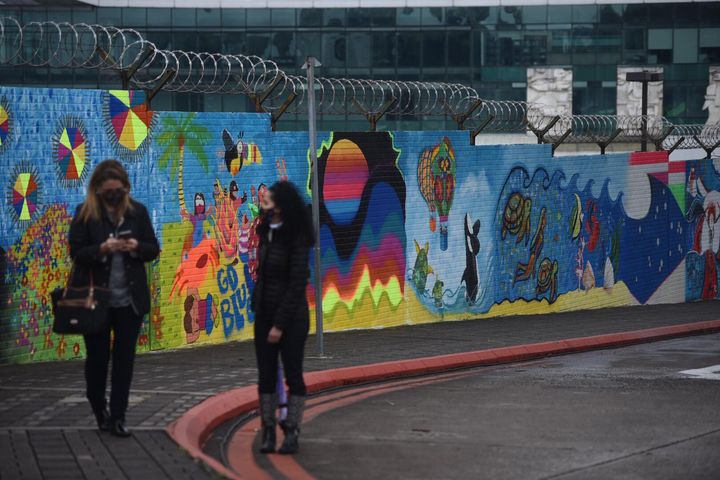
627,413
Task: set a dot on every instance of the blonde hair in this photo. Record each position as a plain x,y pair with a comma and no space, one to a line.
105,170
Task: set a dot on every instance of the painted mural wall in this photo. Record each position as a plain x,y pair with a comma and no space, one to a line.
416,226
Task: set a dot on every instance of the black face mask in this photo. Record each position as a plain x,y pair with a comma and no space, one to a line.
113,197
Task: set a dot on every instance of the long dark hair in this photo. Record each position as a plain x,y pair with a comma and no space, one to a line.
105,170
297,222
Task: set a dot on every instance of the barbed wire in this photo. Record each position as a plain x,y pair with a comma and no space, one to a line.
145,66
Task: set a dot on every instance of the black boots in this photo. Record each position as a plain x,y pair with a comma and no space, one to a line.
118,429
291,426
102,416
268,409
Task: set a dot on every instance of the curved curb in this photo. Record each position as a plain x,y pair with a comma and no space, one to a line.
192,429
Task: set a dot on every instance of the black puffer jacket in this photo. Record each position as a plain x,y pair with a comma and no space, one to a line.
280,297
85,240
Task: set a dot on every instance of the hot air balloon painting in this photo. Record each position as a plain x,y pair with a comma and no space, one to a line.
436,180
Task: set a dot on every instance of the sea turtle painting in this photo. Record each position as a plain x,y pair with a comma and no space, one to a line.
516,217
547,278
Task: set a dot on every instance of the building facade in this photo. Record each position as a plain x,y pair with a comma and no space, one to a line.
490,47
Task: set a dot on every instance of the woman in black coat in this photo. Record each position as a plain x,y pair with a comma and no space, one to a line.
111,238
281,309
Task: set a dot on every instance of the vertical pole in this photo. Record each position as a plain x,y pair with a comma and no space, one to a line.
310,64
643,140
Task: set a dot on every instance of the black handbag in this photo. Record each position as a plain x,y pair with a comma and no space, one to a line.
80,310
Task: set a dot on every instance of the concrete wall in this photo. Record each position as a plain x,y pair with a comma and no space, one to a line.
416,226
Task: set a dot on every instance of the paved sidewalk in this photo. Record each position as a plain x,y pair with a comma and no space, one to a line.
46,429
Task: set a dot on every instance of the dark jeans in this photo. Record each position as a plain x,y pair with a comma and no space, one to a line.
125,324
291,349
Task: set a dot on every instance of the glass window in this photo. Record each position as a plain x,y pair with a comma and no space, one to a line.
534,14
283,17
210,42
709,13
358,17
161,39
635,14
584,13
284,45
434,49
233,17
55,14
432,16
307,44
159,17
208,17
109,16
559,14
334,46
634,39
408,16
183,17
183,41
260,43
660,38
83,15
310,17
459,49
535,47
334,17
134,17
234,42
686,13
456,16
610,13
383,17
359,50
660,14
510,16
408,49
583,44
383,49
258,17
686,45
710,37
486,15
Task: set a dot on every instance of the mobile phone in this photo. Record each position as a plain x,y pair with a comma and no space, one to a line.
125,235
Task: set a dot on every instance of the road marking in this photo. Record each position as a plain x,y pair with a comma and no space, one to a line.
708,373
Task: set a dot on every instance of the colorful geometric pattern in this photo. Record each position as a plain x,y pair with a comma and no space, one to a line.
71,150
4,124
128,121
346,173
25,194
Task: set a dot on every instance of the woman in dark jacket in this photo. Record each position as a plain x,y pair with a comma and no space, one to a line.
111,238
281,309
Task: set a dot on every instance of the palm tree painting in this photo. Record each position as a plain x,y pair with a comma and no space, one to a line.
179,134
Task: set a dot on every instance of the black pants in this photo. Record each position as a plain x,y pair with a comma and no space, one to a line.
125,324
291,349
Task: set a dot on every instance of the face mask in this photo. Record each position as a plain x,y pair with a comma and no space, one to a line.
113,197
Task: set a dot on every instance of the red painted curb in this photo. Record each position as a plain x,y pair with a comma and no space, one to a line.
192,429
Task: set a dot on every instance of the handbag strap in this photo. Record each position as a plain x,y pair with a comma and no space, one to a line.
91,289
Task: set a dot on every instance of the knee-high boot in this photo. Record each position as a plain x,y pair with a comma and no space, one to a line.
296,406
268,411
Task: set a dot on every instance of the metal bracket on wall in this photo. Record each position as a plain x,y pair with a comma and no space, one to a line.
126,74
676,145
374,118
560,140
708,148
606,143
541,132
476,131
659,141
150,94
461,118
259,100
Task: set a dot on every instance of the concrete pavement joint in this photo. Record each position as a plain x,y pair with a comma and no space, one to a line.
630,455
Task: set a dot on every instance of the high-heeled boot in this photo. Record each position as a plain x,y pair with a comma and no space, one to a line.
268,409
291,444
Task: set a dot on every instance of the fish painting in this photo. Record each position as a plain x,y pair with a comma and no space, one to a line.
576,218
